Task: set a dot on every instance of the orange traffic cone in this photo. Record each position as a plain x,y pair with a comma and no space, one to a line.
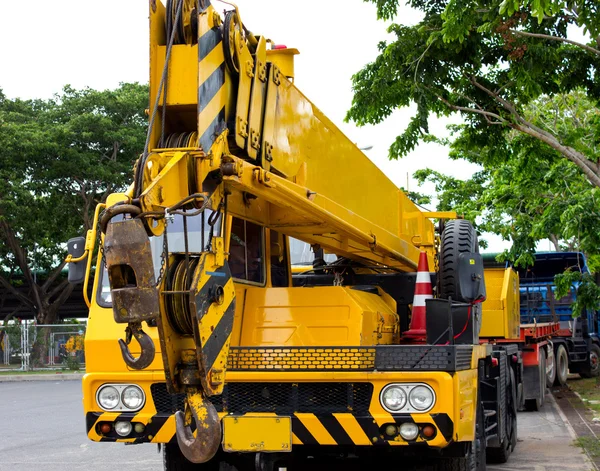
423,291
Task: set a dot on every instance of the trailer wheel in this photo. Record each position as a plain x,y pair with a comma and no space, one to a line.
550,367
562,365
537,403
173,460
592,369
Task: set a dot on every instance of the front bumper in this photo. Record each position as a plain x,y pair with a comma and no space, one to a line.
349,425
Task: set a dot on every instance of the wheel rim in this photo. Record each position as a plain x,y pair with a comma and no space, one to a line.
562,366
550,367
594,361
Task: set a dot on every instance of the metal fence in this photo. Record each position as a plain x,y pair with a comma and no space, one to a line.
26,346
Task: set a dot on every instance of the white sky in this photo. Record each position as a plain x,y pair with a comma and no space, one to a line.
46,45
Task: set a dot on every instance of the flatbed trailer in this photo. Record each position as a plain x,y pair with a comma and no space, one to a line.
533,341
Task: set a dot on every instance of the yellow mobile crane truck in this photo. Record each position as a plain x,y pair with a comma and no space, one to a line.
198,339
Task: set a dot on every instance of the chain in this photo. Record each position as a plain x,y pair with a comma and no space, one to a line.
165,250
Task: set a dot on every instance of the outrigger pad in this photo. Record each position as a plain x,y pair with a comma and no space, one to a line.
130,272
471,283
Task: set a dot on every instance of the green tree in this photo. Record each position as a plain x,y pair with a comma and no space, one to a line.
60,158
526,191
487,60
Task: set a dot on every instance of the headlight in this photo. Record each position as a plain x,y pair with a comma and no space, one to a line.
120,397
108,397
132,397
421,398
407,397
393,398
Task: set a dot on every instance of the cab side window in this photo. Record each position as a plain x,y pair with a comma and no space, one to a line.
246,253
279,260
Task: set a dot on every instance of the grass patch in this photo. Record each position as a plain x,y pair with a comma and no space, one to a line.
590,445
589,390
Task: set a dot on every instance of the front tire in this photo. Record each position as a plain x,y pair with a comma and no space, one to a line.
475,458
173,460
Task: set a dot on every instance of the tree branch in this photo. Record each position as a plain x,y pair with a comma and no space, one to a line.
21,297
579,159
486,114
53,276
63,284
556,38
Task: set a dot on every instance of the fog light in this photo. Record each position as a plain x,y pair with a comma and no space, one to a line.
123,428
139,428
428,431
409,431
391,430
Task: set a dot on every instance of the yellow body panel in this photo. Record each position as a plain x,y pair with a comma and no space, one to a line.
501,309
332,315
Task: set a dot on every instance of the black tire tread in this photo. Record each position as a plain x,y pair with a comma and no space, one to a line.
458,237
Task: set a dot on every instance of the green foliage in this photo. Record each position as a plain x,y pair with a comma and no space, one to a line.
586,290
61,157
488,60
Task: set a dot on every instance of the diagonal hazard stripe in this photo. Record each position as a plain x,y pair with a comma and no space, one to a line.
335,429
214,108
166,432
219,337
300,431
210,87
215,128
355,431
207,42
316,428
371,429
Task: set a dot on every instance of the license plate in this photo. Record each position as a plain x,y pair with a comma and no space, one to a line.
269,434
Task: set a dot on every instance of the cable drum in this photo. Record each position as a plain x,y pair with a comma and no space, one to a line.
178,286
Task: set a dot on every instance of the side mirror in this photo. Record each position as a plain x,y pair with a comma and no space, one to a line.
76,248
470,277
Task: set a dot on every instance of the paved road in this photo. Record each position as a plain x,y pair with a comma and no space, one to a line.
42,429
544,443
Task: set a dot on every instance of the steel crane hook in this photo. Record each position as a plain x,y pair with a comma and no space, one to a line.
146,343
205,444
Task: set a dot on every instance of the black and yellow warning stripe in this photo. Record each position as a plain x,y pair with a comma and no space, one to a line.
337,429
212,93
158,428
215,320
347,429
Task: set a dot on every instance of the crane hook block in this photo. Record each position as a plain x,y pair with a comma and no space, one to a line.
131,272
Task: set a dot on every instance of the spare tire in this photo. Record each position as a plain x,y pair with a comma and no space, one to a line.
459,236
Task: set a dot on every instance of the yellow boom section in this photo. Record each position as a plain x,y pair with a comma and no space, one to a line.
232,104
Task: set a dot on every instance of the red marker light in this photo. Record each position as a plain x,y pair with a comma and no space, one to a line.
105,428
494,362
279,46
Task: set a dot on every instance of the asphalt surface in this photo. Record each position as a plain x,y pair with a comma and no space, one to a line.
42,428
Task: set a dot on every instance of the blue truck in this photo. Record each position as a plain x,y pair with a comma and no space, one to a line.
576,345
